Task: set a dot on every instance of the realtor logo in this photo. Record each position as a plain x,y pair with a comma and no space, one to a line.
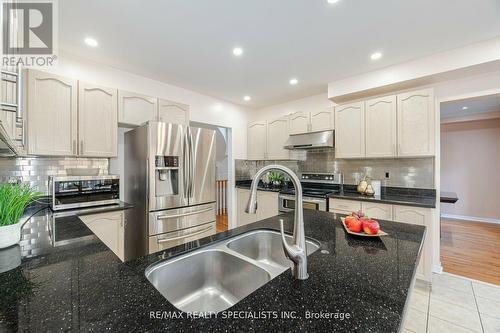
29,33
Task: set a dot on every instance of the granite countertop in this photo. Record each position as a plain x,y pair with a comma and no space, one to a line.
85,287
245,184
448,197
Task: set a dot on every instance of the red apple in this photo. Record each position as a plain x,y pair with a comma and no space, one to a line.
355,225
371,227
348,220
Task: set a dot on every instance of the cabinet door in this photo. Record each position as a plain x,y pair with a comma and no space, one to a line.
136,109
242,200
8,94
172,112
257,140
420,216
51,114
277,134
323,120
267,205
344,206
350,130
416,123
97,120
381,127
299,122
377,211
109,228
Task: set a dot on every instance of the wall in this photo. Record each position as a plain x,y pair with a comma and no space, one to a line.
36,170
311,103
470,156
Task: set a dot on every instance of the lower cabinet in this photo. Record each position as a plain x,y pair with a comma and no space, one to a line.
110,229
267,206
402,214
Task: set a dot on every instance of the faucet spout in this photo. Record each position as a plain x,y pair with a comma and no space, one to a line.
296,252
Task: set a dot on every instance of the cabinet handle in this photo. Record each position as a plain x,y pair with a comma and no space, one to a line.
74,147
81,147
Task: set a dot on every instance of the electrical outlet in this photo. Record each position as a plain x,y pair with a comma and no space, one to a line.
387,176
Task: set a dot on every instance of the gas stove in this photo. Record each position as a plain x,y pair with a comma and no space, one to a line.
315,188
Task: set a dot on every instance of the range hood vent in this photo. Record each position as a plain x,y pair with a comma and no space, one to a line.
323,139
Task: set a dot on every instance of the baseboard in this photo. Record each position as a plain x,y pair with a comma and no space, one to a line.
437,269
471,218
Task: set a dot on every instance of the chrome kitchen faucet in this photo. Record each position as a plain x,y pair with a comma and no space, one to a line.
297,251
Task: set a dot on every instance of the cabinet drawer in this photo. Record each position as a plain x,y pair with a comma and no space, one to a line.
377,210
347,206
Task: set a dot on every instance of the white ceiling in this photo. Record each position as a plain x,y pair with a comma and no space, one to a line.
189,42
482,104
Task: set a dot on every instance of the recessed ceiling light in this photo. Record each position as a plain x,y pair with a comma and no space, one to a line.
465,107
91,42
376,56
237,51
247,98
294,81
332,1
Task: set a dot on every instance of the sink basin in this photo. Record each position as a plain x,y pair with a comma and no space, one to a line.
207,280
265,246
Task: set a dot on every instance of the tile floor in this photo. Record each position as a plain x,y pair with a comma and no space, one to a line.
454,304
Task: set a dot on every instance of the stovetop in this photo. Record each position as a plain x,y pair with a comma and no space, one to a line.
318,185
313,192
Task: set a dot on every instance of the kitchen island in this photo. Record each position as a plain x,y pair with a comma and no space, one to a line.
355,284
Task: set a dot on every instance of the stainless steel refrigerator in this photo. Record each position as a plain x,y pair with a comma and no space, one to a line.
170,178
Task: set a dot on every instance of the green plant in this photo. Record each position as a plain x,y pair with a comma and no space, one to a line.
276,176
13,200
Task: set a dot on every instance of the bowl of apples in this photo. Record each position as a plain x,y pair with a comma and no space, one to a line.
361,225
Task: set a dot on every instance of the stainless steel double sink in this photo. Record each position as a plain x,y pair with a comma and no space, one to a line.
217,277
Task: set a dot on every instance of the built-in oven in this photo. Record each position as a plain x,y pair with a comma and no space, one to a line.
69,192
287,203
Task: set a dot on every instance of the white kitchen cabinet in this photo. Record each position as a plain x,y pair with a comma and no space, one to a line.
173,112
416,123
420,216
110,229
350,130
377,210
299,122
8,94
97,121
381,127
267,205
323,120
51,114
257,140
243,218
342,206
135,109
277,134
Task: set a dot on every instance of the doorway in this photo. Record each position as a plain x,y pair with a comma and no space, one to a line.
222,173
470,155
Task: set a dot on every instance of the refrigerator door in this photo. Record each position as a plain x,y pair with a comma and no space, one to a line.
167,166
201,187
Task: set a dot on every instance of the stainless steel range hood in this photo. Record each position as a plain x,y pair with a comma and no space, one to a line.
323,139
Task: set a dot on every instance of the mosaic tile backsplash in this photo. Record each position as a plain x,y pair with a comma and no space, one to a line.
36,170
403,172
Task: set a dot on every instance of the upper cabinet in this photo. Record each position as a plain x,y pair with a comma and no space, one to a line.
97,103
277,134
380,123
172,112
257,140
416,123
51,114
322,120
299,122
350,130
135,109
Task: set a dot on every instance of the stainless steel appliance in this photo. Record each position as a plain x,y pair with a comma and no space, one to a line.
315,188
324,139
170,179
69,192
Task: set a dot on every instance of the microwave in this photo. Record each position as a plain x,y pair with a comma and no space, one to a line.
68,192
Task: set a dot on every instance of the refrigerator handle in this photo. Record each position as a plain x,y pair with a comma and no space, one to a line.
185,166
191,164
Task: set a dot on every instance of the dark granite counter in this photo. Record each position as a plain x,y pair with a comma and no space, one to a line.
245,184
403,198
84,287
448,197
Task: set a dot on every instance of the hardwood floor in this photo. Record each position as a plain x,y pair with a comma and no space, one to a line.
471,249
221,222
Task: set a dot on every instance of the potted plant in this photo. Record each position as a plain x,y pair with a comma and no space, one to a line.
13,201
276,177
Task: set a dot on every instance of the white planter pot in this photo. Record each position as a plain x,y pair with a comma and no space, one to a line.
10,235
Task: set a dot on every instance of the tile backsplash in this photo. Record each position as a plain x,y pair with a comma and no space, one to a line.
36,170
403,172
